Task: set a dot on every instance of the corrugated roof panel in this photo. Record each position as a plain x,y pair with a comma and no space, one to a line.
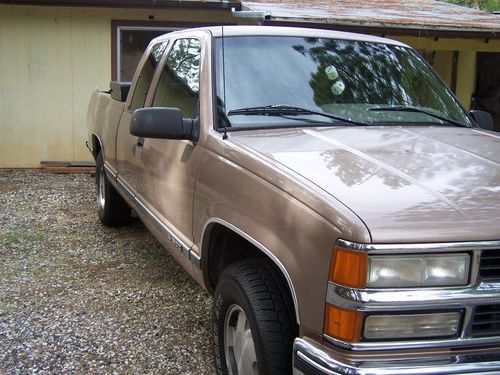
422,14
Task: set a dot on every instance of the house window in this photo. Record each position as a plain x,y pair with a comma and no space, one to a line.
129,40
131,43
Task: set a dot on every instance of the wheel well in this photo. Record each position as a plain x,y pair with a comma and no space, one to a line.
225,247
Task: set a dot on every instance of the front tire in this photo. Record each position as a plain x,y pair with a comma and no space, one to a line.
253,330
111,208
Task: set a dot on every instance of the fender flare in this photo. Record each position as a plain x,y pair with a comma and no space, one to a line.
258,245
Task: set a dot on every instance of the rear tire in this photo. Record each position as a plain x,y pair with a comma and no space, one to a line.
253,329
111,208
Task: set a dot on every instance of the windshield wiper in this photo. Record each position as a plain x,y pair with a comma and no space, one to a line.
418,110
287,110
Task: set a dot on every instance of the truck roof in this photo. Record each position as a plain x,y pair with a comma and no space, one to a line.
244,30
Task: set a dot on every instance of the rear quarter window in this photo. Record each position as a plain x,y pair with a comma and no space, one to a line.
146,76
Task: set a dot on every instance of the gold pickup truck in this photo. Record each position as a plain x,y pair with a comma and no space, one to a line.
326,188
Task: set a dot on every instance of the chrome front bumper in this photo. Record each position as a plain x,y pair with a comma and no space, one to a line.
309,358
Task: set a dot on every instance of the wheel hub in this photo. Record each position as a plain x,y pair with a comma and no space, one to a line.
101,200
238,344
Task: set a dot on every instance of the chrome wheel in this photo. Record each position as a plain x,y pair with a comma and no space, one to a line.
238,343
101,188
111,208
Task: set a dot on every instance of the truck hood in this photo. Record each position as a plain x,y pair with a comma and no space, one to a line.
407,184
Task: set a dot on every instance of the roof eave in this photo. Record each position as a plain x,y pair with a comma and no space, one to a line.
387,28
137,4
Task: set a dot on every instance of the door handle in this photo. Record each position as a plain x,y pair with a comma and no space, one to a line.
140,142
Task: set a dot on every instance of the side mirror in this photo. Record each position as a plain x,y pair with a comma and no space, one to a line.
483,119
163,123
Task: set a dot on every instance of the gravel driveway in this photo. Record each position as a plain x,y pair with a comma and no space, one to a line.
77,297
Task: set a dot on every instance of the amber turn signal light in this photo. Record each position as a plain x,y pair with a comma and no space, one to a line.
349,268
342,324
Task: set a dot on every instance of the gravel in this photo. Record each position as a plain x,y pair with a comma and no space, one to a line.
77,297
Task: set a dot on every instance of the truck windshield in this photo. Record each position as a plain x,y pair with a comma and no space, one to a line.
288,81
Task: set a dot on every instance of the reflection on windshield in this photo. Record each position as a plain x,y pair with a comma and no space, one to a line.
341,77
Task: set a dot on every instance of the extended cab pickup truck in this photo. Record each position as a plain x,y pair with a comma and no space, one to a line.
326,188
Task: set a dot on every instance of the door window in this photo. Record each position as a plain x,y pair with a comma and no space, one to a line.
179,82
146,75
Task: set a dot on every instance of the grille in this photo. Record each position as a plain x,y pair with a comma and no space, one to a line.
489,268
486,321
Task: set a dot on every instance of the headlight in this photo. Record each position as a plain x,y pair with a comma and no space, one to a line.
421,270
360,270
411,326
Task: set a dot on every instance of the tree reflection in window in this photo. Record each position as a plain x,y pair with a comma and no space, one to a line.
376,73
179,82
157,53
184,62
347,78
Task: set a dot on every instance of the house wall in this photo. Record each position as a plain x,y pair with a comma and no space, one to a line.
465,79
443,65
51,60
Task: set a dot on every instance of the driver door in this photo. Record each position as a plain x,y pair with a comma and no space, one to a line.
169,166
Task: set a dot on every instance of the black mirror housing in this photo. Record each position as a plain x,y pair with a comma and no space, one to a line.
483,119
163,123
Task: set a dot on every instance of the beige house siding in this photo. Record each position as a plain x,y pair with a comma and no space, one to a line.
466,64
51,60
443,65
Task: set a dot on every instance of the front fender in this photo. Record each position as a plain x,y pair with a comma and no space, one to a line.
296,238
